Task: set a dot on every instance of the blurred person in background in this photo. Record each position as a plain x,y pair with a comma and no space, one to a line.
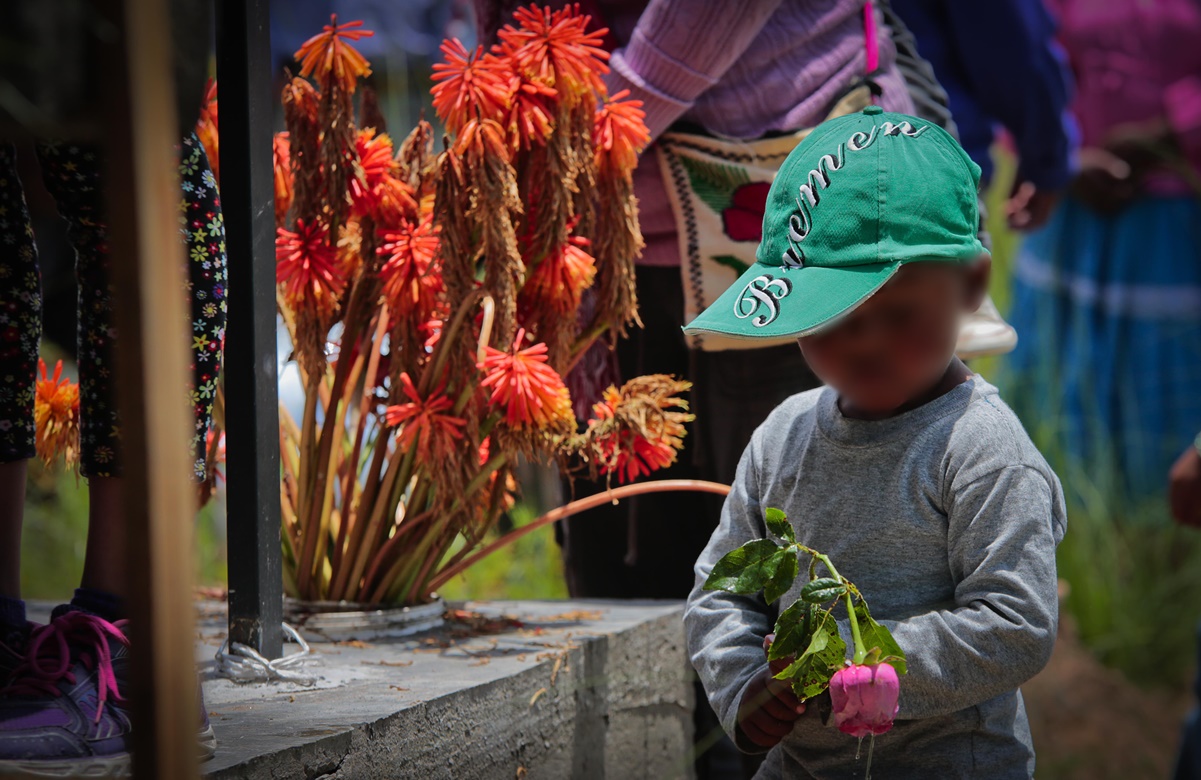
1109,292
1001,68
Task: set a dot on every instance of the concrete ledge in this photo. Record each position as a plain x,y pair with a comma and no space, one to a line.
577,690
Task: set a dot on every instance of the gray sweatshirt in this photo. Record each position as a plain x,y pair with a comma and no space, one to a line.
946,518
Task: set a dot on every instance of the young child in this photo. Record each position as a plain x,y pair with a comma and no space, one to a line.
907,468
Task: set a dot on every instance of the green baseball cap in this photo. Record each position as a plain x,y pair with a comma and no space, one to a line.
861,196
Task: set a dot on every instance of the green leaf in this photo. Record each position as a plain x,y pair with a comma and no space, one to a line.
713,182
793,629
811,672
729,261
822,590
777,523
877,637
747,569
784,576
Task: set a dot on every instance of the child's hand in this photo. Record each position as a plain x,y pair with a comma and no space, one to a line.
769,708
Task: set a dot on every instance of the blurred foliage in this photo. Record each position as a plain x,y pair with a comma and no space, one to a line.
530,568
1134,577
55,534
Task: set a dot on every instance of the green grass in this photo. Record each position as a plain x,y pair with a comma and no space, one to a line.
1135,578
55,534
530,568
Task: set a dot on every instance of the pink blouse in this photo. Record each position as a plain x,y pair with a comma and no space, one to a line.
1136,60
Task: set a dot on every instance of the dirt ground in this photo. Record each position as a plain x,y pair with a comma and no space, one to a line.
1090,723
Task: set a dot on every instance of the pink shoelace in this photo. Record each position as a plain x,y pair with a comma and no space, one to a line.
48,658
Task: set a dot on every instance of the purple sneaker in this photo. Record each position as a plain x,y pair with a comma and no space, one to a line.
62,714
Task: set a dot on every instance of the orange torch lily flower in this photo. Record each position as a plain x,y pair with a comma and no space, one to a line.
470,86
619,133
281,163
56,416
561,278
531,117
424,422
329,54
206,128
410,285
555,47
525,387
307,267
638,429
375,167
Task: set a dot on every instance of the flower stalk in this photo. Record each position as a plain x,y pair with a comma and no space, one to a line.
433,303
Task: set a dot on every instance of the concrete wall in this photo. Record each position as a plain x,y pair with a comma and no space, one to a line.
619,706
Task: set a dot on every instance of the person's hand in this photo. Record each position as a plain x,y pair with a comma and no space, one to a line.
769,708
1142,145
1029,207
1105,182
1184,488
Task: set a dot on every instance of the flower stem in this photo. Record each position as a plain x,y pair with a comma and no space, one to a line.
579,505
860,650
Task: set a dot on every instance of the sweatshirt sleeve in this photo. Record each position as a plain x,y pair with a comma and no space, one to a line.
1020,75
1001,538
725,631
679,49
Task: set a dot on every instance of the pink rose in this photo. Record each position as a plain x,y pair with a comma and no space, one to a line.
864,698
743,220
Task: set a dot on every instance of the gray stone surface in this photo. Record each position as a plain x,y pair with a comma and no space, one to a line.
579,689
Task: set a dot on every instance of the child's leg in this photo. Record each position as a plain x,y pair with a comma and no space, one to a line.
203,230
20,331
12,501
72,174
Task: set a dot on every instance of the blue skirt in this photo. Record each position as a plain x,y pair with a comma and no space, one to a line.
1107,371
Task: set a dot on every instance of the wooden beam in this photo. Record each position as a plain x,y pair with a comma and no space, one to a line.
152,371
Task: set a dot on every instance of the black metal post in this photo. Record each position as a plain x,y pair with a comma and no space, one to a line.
251,381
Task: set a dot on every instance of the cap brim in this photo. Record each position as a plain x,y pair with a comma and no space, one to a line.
770,302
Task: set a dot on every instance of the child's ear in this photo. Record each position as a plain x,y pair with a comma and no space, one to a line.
978,274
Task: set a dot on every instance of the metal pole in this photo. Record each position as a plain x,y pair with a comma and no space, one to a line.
251,382
152,372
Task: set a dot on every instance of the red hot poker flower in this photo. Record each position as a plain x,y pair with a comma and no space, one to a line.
281,155
639,428
374,186
411,283
531,119
561,278
56,416
307,267
329,54
470,86
556,48
424,422
207,128
619,133
628,453
525,387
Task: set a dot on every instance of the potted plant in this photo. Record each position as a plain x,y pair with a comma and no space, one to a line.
435,301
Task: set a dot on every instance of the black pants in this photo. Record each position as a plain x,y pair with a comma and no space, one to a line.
646,547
